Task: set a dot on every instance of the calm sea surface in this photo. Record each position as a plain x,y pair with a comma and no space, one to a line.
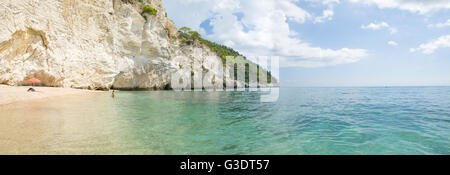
393,120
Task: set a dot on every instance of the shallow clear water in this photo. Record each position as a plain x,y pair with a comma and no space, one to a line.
394,120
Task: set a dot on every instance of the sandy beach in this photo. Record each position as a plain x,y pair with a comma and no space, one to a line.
13,94
33,122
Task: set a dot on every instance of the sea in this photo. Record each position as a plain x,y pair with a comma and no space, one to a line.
297,121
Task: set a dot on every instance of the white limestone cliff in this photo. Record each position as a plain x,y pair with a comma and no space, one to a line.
91,44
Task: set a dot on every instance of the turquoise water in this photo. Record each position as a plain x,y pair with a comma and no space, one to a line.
393,120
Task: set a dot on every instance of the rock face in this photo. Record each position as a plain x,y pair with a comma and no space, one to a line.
97,44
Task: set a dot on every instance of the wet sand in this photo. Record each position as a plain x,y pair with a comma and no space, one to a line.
14,94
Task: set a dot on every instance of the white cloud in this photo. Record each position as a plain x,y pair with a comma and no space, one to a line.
189,12
325,2
432,46
440,25
291,11
262,29
393,30
227,4
419,6
326,15
376,26
393,43
379,26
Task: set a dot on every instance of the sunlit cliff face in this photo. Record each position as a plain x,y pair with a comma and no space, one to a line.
92,44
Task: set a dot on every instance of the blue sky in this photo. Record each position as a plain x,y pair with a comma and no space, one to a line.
332,42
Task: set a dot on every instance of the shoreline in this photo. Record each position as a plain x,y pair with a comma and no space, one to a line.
14,94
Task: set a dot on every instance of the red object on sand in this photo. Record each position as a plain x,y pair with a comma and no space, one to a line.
33,80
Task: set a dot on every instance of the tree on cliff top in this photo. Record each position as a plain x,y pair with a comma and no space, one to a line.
185,29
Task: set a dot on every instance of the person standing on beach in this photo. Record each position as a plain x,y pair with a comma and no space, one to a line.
113,94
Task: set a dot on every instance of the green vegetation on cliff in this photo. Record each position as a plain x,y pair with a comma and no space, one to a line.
187,36
229,56
146,9
149,10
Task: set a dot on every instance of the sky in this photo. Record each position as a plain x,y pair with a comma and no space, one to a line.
332,42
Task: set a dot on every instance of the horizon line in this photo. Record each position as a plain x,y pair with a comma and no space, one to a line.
363,86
